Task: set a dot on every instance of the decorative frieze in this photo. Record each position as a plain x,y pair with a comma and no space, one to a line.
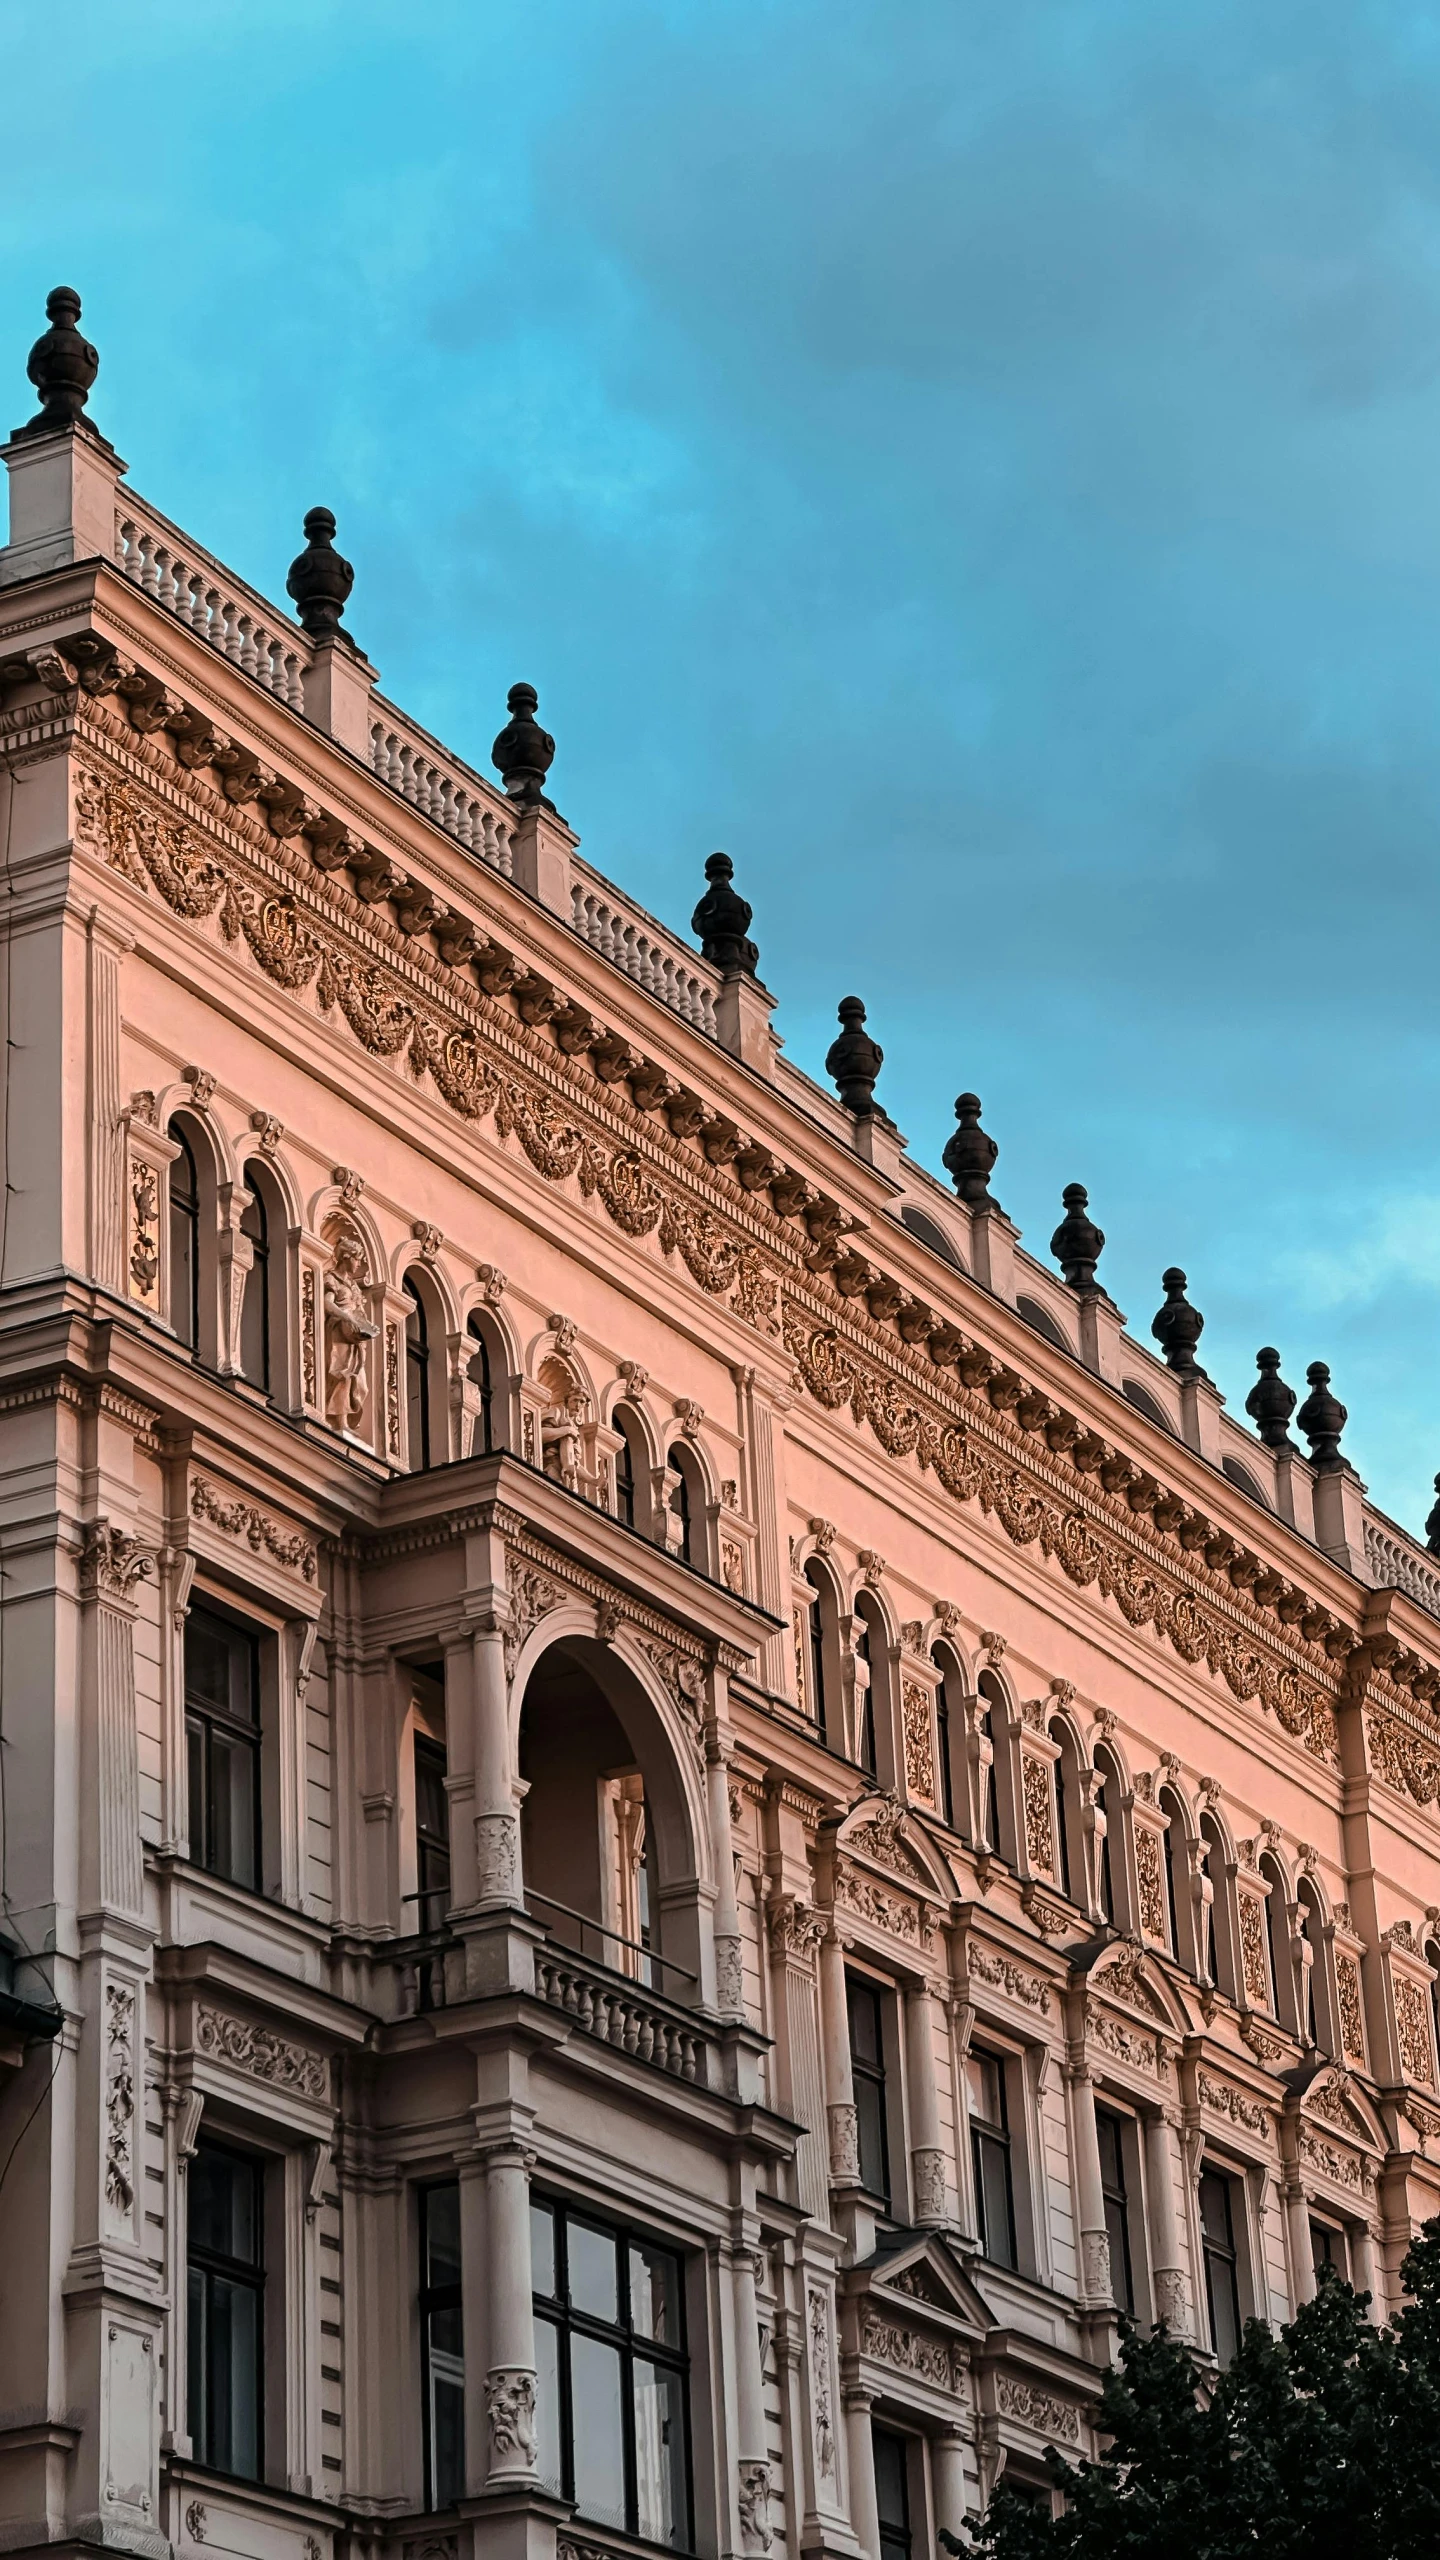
1032,2407
1352,2017
1224,2100
261,2054
1003,1974
887,1911
241,1520
928,2359
919,1758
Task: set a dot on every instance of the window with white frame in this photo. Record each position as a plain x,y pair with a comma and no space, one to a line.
1220,2227
991,2154
223,1744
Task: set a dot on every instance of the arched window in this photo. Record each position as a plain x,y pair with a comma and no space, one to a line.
815,1645
417,1376
1067,1815
949,1727
184,1241
482,1375
992,1709
625,1481
1317,2027
1173,1848
1107,1803
1220,1911
867,1653
255,1356
681,1529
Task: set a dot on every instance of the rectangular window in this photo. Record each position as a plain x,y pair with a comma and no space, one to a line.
1328,2249
222,1743
432,1832
990,2154
867,2072
1222,2276
1111,2135
892,2492
613,2395
226,2294
442,2344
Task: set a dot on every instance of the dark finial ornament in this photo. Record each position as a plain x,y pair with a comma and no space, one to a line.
1270,1402
320,581
524,752
854,1060
1178,1326
1077,1243
969,1156
62,366
722,920
1432,1526
1322,1419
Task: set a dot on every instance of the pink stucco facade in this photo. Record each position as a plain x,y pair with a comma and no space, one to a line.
559,1653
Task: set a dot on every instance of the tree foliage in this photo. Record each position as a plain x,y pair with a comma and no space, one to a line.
1319,2443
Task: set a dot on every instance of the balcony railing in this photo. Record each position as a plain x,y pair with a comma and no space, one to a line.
657,961
619,2013
441,787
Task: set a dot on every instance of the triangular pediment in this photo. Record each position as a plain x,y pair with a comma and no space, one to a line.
922,2273
881,1830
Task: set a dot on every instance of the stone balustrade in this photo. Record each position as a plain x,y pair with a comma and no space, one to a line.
188,582
442,788
1391,1561
657,961
637,2022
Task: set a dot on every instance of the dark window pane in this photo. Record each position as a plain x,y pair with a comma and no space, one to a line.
225,2295
447,2426
1222,2292
892,2493
542,2250
625,1484
596,2397
660,2503
184,1241
232,1797
593,2271
1327,2248
548,2412
994,2197
654,2294
864,2024
442,2326
442,2235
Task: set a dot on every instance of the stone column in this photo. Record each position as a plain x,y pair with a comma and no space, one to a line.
842,2123
752,2463
1095,2276
927,2156
1367,2272
864,2511
497,1819
510,2374
947,2466
1297,2232
729,1974
1167,2249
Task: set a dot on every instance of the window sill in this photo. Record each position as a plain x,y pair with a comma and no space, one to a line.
262,2496
245,1898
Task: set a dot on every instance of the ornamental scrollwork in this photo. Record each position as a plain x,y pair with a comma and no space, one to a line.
261,2054
242,1520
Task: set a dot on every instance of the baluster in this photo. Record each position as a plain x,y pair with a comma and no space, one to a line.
393,770
464,819
631,2035
707,1011
645,960
268,669
247,652
407,772
226,612
124,541
505,859
377,749
188,599
294,682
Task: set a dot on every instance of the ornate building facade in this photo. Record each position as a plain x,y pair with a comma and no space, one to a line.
669,1816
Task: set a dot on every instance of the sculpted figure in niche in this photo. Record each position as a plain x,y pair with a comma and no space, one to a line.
347,1330
560,1424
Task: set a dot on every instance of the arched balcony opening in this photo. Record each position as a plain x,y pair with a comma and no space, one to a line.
1319,2022
821,1651
1069,1831
1277,1965
1177,1878
608,1845
1222,1932
425,1416
873,1740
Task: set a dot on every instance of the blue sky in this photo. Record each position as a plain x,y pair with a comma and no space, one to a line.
977,462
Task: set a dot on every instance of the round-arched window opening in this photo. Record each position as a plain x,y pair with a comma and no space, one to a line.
930,1232
1241,1476
1145,1403
482,1375
255,1304
815,1643
184,1240
417,1377
679,1509
1040,1320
